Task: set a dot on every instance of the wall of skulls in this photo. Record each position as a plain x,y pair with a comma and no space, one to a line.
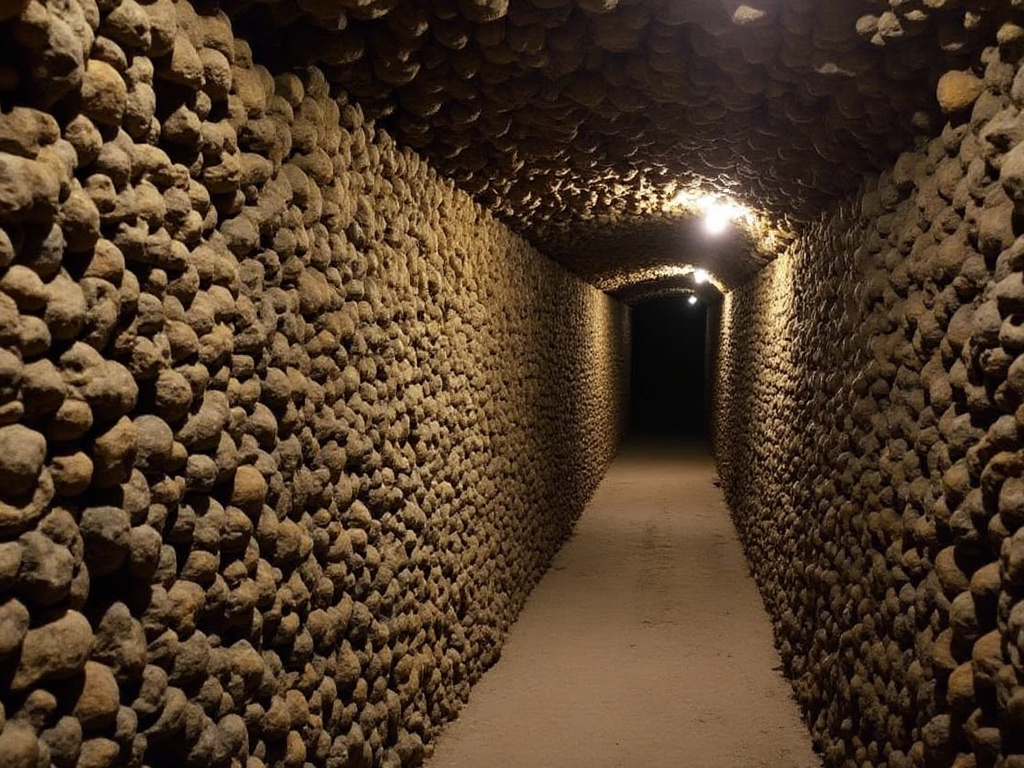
869,429
288,426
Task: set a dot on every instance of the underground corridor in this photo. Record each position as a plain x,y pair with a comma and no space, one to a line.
620,655
549,383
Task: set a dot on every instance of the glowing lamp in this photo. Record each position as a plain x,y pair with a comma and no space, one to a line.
716,219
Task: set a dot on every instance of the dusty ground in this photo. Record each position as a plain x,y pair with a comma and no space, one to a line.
645,645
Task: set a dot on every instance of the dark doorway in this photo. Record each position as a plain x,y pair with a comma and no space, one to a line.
668,368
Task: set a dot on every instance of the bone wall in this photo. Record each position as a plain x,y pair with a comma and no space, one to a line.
868,426
288,426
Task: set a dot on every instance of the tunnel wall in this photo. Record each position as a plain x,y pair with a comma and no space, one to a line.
867,427
288,426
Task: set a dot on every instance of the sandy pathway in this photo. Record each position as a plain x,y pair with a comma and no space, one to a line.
645,645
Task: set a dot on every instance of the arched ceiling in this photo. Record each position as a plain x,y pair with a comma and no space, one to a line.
642,284
580,122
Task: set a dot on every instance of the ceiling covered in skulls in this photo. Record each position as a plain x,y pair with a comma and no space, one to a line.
599,129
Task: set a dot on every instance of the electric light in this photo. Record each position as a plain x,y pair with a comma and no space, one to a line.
719,211
700,276
692,300
717,218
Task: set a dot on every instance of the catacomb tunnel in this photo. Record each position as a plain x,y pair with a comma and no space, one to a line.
318,326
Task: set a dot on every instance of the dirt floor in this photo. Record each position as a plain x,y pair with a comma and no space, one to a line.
645,645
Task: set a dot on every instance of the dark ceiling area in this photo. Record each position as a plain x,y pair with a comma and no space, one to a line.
579,122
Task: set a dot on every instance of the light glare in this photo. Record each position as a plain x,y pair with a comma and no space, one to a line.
719,211
716,219
700,276
692,300
769,237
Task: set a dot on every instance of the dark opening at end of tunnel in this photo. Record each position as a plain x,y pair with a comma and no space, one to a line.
669,382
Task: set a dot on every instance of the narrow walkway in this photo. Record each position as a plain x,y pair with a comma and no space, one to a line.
645,645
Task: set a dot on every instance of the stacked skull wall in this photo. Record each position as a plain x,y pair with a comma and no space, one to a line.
288,426
869,426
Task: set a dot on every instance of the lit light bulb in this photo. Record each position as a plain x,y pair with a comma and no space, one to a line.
692,300
717,219
700,276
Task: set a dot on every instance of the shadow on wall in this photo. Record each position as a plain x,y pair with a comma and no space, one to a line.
668,368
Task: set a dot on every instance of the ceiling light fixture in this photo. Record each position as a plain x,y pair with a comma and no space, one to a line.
719,211
719,214
700,276
716,221
692,300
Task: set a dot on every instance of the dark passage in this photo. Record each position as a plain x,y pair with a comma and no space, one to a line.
668,368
